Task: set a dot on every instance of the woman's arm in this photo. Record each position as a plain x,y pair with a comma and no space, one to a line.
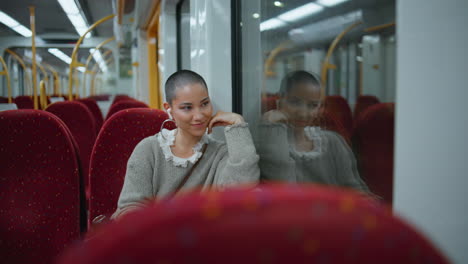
138,183
240,163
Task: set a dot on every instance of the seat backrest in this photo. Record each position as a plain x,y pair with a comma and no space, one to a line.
363,102
121,97
82,126
24,102
3,100
374,144
277,224
326,120
39,187
339,107
114,145
94,108
124,104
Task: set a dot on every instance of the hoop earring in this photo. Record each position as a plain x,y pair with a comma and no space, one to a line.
162,126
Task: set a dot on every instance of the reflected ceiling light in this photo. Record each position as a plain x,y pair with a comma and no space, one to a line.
330,3
256,15
29,54
271,23
59,54
76,17
301,12
15,25
278,4
99,59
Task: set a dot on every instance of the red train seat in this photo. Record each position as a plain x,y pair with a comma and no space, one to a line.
374,143
339,107
277,224
39,187
24,102
82,126
114,145
94,108
363,102
124,104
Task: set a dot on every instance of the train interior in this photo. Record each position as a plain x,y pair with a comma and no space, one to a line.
82,82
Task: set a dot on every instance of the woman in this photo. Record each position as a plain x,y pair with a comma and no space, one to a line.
186,157
294,147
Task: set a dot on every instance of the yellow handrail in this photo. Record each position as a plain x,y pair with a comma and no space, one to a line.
7,74
379,27
56,77
88,60
44,72
32,20
23,65
75,51
326,65
43,95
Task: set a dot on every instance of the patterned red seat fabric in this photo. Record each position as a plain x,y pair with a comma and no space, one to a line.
339,108
94,108
82,126
374,143
124,104
363,102
39,187
114,145
277,224
24,102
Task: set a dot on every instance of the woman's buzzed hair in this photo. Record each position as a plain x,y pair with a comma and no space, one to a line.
180,79
297,77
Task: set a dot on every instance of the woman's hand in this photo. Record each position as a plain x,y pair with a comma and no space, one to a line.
275,116
224,119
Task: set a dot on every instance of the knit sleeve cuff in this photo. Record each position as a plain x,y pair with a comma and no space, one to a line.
239,142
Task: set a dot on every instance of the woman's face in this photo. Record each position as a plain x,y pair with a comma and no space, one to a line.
301,104
191,109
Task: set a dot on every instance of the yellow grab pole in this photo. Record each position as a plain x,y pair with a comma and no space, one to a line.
23,65
88,60
32,20
75,51
7,74
379,27
325,65
56,77
43,95
44,72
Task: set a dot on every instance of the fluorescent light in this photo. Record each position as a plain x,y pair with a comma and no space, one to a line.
278,4
330,3
59,54
81,69
75,16
69,6
256,15
29,54
15,25
271,23
301,12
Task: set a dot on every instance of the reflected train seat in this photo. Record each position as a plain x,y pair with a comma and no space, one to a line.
24,102
81,123
277,224
328,121
374,143
124,104
3,100
269,103
94,108
114,145
100,97
339,107
39,187
363,102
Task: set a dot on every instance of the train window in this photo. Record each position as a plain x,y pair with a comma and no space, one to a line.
321,77
183,34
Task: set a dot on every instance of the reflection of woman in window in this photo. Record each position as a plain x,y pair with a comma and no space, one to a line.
292,149
186,157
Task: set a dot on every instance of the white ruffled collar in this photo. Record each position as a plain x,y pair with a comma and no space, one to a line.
166,139
316,135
